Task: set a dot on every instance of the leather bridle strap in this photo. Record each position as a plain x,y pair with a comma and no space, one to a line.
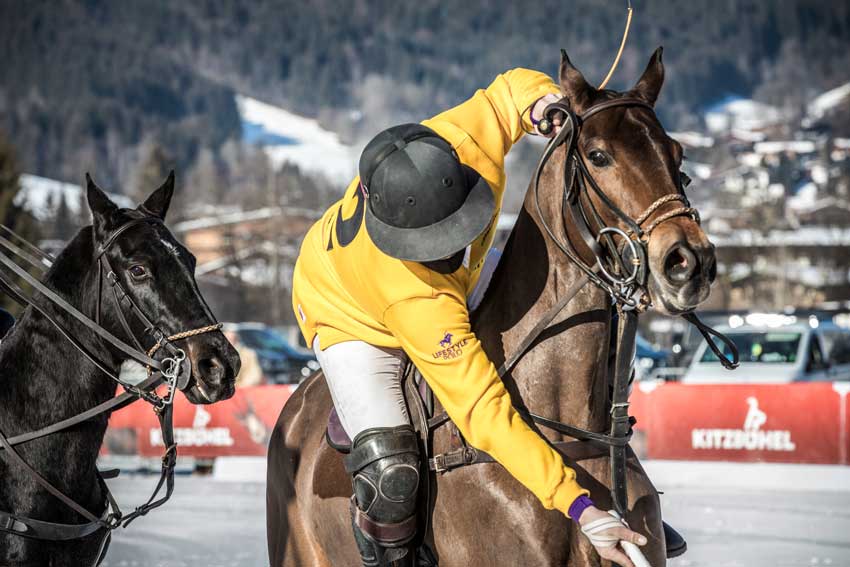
46,259
138,390
112,517
541,325
18,251
113,404
113,236
707,333
55,298
20,525
169,461
621,422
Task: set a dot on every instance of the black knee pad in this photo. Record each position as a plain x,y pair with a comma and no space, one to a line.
384,464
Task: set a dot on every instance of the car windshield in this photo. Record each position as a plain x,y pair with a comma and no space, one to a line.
765,347
263,339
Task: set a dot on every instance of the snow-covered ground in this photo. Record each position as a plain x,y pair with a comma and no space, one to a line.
798,517
287,137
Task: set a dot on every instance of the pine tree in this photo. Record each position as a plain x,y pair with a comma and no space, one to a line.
63,224
9,181
153,169
11,215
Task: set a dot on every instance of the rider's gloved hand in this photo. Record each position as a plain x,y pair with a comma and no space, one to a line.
537,114
605,533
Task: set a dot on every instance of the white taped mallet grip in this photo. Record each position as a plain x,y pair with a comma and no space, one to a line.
633,551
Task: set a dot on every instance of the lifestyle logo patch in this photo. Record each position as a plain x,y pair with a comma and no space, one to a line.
447,340
449,350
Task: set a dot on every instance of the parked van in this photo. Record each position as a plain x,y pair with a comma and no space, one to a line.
797,352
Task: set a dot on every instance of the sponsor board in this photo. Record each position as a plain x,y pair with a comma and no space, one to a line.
240,426
752,437
791,423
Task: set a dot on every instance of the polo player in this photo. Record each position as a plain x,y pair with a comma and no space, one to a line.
384,277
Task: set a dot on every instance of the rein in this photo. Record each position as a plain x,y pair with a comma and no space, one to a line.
621,271
174,371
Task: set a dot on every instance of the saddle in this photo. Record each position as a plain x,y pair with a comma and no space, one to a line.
419,400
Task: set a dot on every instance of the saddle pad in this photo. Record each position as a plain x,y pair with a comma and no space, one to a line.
336,435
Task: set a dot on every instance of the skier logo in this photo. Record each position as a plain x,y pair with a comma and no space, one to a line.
755,417
202,418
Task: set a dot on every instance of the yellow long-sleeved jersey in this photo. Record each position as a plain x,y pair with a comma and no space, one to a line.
353,291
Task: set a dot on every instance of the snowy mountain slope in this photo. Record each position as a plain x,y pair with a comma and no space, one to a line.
287,137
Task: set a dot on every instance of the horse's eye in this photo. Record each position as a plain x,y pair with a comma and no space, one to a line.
685,178
599,158
138,272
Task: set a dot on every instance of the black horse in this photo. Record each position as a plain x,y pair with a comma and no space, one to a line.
44,378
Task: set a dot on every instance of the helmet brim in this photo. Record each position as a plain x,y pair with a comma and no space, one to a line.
443,238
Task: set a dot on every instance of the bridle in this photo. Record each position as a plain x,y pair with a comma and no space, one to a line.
176,356
173,370
621,271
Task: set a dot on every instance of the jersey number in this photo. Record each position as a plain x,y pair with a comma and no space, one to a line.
347,229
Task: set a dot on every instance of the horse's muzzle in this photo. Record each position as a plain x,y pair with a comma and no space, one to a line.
682,277
214,370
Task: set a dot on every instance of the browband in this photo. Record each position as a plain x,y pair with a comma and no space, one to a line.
101,250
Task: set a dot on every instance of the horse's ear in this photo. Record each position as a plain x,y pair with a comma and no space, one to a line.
649,84
573,83
102,208
158,202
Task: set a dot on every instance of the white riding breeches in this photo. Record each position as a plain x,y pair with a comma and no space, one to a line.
365,384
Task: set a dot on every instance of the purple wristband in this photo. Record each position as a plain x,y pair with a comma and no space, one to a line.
578,506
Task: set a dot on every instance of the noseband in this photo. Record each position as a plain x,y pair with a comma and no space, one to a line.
622,271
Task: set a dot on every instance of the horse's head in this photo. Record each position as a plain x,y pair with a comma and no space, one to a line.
157,273
636,164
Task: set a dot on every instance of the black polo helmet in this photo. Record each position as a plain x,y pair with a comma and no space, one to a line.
424,205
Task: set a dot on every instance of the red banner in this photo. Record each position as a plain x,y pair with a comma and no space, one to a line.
843,391
239,426
789,423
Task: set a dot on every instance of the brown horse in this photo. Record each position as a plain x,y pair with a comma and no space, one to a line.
482,516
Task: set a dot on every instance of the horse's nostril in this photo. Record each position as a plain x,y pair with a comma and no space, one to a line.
679,264
212,369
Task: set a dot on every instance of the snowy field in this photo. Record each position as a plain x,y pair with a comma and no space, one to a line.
212,523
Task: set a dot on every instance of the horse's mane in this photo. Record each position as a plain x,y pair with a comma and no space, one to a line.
70,272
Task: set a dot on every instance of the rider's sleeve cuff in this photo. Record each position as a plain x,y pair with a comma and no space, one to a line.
567,491
578,506
527,87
